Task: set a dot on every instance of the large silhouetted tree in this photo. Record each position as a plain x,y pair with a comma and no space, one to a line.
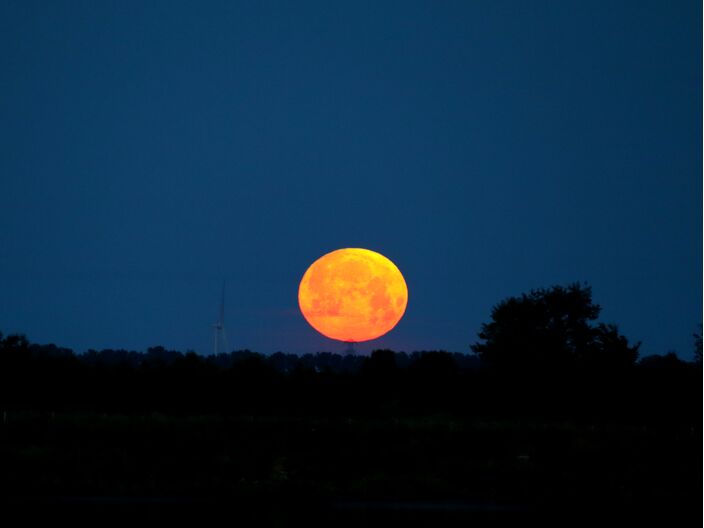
552,328
698,346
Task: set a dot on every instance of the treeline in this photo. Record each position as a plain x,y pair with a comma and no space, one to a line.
48,378
281,362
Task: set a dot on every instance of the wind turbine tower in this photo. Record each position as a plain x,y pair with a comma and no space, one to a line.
219,336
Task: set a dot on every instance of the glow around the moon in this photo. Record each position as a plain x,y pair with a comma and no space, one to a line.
353,295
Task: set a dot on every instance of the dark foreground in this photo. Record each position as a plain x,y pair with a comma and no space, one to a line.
422,439
278,470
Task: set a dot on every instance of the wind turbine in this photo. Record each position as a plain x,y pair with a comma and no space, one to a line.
219,327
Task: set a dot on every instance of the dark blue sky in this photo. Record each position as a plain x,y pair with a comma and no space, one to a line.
151,149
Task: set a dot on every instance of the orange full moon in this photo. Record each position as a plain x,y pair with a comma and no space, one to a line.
353,295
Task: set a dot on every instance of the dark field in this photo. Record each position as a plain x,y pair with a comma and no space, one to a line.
429,438
272,467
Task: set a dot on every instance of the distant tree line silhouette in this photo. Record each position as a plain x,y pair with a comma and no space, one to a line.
542,354
554,409
657,388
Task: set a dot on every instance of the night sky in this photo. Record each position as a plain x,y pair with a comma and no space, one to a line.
150,150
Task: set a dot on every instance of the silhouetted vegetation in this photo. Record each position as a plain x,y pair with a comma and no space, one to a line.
553,329
553,410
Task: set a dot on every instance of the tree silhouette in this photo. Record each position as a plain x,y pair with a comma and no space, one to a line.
698,346
381,365
550,329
